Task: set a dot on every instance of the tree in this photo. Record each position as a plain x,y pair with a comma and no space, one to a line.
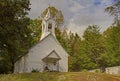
36,30
112,34
112,45
14,35
75,60
114,10
94,46
56,14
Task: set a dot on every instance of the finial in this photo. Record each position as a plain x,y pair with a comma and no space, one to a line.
49,5
48,15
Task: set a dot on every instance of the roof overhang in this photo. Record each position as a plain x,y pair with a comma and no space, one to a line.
52,57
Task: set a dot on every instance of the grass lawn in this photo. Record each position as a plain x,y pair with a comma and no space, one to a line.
53,76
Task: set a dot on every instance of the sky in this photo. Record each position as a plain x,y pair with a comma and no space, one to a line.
78,14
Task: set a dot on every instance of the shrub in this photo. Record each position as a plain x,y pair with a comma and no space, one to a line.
35,70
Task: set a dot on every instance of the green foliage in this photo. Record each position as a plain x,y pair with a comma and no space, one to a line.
14,35
36,30
114,10
94,47
112,44
56,14
84,70
63,39
92,41
97,71
35,71
4,66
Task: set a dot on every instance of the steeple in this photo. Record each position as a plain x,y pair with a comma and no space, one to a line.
48,15
48,24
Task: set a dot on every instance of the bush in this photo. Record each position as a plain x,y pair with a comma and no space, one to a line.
84,70
4,68
97,71
35,70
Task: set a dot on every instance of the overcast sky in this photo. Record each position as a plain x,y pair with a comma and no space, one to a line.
78,14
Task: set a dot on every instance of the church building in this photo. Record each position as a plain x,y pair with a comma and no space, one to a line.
47,54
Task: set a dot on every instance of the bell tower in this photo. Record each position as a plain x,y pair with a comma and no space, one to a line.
48,25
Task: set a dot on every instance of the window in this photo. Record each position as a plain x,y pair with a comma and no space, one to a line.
49,27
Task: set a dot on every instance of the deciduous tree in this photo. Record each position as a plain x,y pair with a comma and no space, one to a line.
14,34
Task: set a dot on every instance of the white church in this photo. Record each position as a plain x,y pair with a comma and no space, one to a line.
47,54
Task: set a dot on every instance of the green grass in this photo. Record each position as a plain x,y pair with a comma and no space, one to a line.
53,76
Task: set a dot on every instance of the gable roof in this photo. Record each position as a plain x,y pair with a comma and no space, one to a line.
52,57
53,54
50,34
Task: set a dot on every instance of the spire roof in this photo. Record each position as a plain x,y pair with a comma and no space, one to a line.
48,15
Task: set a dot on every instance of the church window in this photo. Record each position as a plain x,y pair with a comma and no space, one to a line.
49,26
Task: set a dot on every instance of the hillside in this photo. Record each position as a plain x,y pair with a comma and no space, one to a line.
71,76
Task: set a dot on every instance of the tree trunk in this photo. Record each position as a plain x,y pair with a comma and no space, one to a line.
102,69
12,63
12,67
